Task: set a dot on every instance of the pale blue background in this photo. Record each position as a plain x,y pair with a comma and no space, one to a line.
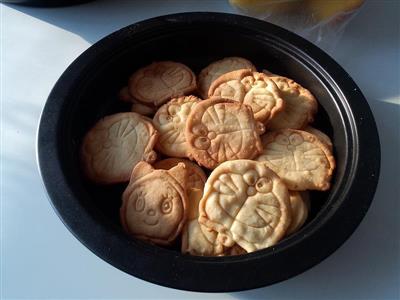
40,259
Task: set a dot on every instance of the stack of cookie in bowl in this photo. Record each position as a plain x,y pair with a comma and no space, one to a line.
221,162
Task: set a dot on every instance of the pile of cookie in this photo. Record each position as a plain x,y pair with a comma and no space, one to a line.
223,161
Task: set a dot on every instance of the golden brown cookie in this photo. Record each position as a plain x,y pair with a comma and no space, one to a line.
170,121
115,145
300,205
246,203
299,158
160,81
198,240
322,136
218,68
196,178
154,203
300,105
251,88
218,130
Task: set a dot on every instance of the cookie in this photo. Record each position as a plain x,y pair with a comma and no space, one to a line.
154,203
218,68
115,145
198,240
251,88
170,121
300,105
299,158
246,203
300,205
322,136
218,130
158,82
196,178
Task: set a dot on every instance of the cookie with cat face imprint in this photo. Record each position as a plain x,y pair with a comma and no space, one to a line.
218,130
170,121
160,81
214,70
252,88
115,145
247,204
299,158
154,204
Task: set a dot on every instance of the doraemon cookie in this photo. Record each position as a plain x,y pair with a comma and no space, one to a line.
160,81
300,105
218,130
322,136
251,88
154,204
170,121
299,158
246,203
115,145
218,68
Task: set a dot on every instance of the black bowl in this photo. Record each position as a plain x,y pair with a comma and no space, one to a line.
87,91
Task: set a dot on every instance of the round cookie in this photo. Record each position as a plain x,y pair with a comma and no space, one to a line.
300,105
300,205
154,204
115,145
299,158
170,121
322,136
158,82
218,68
251,88
246,203
218,130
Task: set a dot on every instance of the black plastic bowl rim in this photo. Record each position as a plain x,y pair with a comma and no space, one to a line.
328,231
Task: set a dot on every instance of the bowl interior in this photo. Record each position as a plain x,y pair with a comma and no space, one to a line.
196,47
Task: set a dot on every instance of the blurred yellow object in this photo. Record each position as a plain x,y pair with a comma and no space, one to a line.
266,6
317,10
324,10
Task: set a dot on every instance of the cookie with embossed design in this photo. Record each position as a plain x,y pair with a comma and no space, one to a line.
299,158
251,88
154,204
247,204
160,81
219,129
218,68
300,105
115,145
170,121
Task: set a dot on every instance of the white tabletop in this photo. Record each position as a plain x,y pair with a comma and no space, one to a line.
40,257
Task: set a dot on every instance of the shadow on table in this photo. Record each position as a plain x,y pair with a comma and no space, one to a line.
96,19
